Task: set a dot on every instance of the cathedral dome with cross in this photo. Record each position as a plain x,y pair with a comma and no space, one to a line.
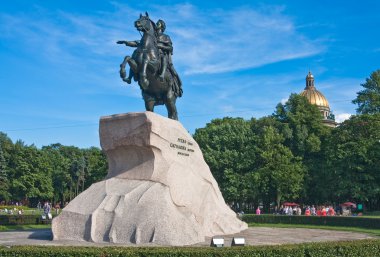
317,98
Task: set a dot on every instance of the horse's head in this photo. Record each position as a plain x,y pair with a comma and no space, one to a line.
144,24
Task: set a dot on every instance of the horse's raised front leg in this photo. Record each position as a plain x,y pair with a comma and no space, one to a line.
133,71
170,105
143,82
123,74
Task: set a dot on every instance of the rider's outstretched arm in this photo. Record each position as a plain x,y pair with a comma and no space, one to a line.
129,43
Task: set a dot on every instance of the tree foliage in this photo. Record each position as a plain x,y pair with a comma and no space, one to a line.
4,183
305,125
57,173
291,155
250,161
228,147
288,156
353,158
281,173
368,99
306,140
30,174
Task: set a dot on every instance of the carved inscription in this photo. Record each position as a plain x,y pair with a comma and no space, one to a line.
183,146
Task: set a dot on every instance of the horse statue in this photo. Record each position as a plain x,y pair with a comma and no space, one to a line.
146,66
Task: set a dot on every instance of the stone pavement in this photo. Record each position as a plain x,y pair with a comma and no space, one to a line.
253,236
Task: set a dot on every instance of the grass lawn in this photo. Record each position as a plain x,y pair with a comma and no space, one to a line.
4,228
373,232
372,213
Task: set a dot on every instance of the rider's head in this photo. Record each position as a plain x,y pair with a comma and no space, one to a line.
161,25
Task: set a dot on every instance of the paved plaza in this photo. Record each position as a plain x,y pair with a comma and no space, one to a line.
253,236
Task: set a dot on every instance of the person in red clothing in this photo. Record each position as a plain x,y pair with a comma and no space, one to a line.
319,212
307,211
258,211
331,211
324,213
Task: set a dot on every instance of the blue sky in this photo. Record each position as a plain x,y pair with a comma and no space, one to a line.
59,60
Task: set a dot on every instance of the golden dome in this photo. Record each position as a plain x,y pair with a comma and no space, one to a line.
315,97
312,94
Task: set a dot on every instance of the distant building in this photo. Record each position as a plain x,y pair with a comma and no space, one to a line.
317,98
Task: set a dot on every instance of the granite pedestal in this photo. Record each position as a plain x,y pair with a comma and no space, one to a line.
158,189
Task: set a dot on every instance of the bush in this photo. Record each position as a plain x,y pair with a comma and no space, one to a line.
22,220
360,222
360,248
11,207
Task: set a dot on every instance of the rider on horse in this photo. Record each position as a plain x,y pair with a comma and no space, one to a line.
165,46
151,66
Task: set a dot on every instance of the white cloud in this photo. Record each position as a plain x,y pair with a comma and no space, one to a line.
231,40
284,100
206,41
342,117
227,108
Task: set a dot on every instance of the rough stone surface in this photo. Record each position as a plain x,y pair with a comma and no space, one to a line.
158,189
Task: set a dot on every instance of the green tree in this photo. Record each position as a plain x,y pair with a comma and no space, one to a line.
6,145
281,174
305,123
74,169
55,172
60,176
229,149
30,173
353,158
96,165
4,183
368,100
74,155
306,139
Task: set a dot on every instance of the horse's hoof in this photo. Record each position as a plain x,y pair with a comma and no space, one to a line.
123,73
128,80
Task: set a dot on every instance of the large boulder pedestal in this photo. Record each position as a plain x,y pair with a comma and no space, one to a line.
158,189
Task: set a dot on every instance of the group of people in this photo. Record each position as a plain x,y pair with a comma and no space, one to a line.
12,207
12,211
11,203
308,210
45,208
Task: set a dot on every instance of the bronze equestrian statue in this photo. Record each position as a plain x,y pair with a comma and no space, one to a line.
152,67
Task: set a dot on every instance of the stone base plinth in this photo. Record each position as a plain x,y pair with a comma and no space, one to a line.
158,189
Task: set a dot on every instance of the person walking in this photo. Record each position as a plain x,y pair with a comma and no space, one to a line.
258,212
47,209
307,211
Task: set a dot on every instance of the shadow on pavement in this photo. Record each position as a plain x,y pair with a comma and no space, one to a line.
41,234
